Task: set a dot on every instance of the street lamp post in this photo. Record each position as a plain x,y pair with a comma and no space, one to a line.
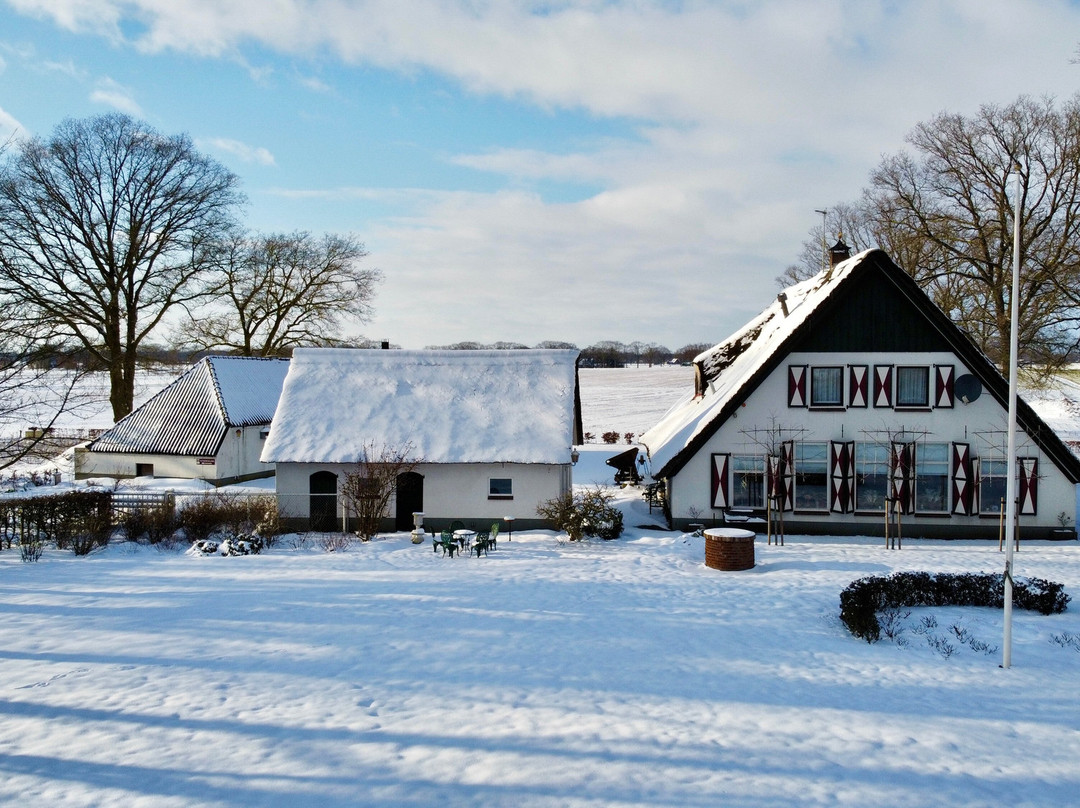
1010,463
824,243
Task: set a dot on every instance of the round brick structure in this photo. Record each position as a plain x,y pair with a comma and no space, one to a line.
729,548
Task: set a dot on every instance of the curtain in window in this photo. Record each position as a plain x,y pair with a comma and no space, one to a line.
912,387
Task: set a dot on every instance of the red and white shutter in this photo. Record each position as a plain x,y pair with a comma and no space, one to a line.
842,476
796,385
1029,485
719,497
963,483
902,475
858,382
976,486
787,475
943,386
883,392
774,481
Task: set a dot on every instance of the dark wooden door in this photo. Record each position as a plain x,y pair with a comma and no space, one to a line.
323,504
410,497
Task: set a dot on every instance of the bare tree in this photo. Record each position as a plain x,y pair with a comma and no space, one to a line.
366,491
283,291
104,229
944,213
34,392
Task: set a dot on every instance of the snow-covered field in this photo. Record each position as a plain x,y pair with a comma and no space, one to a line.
623,673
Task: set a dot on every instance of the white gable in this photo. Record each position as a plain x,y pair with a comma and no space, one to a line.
453,406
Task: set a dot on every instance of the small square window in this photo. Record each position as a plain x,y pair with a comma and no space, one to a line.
913,387
500,488
826,387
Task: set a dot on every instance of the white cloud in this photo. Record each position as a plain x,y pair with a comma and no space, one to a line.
115,95
750,116
67,68
10,128
242,151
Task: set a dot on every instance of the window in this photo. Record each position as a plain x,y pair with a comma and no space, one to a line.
992,484
812,476
500,488
871,476
748,481
826,387
932,478
913,387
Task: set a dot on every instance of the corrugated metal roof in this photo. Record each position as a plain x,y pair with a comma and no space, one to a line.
191,415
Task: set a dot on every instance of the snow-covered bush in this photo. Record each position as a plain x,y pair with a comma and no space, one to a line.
231,515
861,601
583,513
241,545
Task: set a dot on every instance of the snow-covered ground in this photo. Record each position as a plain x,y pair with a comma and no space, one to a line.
623,673
620,673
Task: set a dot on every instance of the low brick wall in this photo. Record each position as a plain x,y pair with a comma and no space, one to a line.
729,548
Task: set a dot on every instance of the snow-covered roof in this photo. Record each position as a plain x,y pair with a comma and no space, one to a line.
513,406
727,372
725,368
191,415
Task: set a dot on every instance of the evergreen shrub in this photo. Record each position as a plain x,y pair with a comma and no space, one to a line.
861,601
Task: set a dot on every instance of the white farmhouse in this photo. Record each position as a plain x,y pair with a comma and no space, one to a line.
850,395
494,431
209,424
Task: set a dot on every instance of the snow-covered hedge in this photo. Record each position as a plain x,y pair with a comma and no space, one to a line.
863,599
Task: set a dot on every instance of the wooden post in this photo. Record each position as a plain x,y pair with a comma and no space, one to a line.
892,509
899,536
1001,525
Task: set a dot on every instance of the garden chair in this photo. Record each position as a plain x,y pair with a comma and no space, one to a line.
482,543
457,524
494,535
448,542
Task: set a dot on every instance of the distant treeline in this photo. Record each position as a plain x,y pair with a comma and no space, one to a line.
606,354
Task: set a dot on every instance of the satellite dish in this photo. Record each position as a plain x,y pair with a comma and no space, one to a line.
967,388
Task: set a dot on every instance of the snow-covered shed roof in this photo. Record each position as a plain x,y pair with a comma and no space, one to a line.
729,371
191,415
513,406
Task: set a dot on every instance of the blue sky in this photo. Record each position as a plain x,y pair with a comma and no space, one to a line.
574,170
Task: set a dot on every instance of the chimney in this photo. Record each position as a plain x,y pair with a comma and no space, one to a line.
782,297
839,251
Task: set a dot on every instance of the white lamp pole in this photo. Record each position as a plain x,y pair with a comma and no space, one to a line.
824,243
1010,464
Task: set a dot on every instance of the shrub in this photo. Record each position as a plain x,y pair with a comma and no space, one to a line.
863,599
610,437
585,513
232,514
157,524
30,549
229,546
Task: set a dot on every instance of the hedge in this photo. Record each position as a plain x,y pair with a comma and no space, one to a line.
863,599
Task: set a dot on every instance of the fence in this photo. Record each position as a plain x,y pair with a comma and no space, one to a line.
128,502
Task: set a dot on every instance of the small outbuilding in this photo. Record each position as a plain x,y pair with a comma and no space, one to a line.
492,431
210,424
